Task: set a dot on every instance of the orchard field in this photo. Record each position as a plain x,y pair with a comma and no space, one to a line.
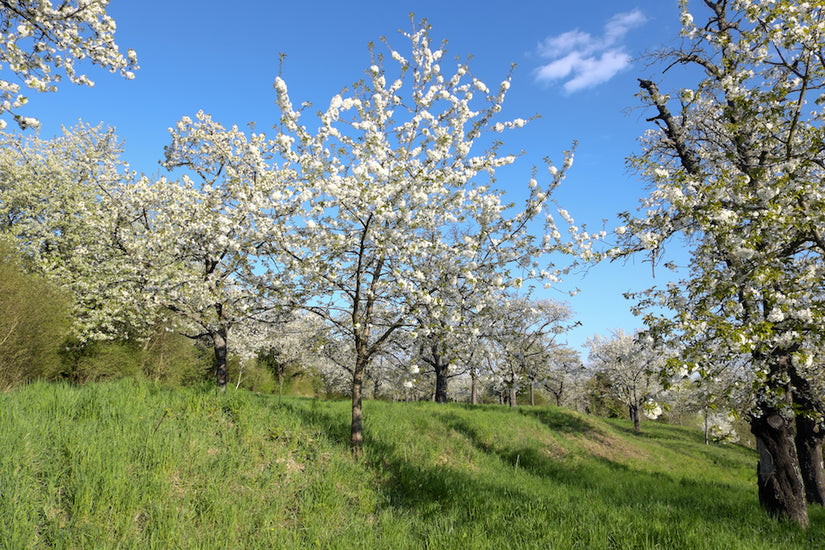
391,243
128,464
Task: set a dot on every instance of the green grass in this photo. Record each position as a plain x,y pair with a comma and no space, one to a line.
131,465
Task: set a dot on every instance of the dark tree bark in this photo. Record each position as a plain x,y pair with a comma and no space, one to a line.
440,367
219,344
437,362
557,392
440,383
809,437
356,429
633,410
781,489
810,433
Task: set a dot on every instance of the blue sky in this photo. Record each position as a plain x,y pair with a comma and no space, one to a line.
576,67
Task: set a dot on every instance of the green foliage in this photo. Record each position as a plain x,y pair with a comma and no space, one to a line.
33,322
129,464
258,376
253,376
600,399
174,360
92,361
162,356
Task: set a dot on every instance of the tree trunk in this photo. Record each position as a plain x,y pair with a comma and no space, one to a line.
473,387
633,410
707,427
440,381
781,489
532,395
513,399
219,344
356,430
809,436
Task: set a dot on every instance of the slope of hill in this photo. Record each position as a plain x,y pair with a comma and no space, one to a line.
130,465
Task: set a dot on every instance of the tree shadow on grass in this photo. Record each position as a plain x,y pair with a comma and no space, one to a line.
531,487
562,421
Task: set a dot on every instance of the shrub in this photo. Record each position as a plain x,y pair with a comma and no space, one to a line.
34,322
174,360
105,360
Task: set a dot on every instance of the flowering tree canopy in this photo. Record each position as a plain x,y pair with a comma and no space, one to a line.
194,242
631,362
736,164
392,175
41,43
525,332
59,199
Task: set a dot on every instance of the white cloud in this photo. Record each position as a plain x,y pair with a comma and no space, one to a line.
583,60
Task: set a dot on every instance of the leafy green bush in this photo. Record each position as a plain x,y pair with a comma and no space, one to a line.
163,356
34,322
253,376
108,360
175,360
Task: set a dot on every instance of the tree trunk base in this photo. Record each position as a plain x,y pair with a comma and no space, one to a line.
809,437
781,489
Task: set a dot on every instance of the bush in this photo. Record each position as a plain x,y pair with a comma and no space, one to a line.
107,360
34,322
163,356
175,360
254,377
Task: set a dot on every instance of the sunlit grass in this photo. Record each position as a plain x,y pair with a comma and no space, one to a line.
129,465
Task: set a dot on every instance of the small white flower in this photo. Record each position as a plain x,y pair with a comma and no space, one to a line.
776,315
743,253
804,315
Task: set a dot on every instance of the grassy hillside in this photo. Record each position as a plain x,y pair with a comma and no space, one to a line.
129,465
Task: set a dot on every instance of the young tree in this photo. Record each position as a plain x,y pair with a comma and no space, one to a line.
59,200
194,244
563,372
736,166
392,165
525,331
41,44
631,363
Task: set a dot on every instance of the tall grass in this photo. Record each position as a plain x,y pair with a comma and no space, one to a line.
129,465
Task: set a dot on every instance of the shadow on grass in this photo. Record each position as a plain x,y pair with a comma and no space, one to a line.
561,421
430,488
500,483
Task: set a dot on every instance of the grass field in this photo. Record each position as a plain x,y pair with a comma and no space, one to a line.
131,465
